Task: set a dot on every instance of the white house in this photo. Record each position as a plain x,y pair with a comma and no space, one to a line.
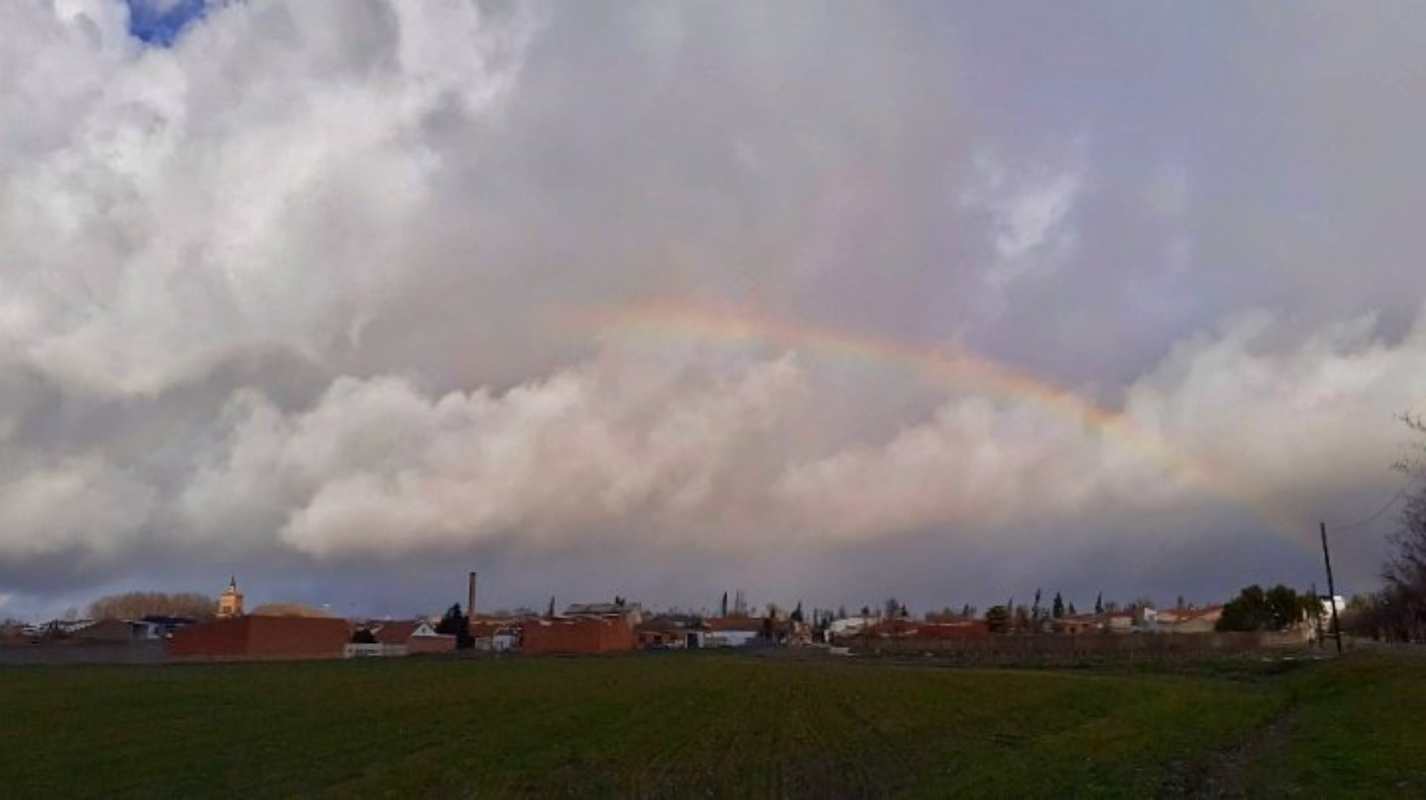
500,642
732,631
1338,601
371,650
1119,622
1310,630
730,638
849,626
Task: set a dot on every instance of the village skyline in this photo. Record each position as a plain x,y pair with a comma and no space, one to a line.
735,602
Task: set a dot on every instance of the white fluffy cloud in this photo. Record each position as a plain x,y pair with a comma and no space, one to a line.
254,184
1029,210
696,455
87,510
379,467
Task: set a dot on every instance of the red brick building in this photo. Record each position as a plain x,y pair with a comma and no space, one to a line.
577,635
257,638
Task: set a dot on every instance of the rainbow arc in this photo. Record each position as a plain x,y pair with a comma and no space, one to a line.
955,369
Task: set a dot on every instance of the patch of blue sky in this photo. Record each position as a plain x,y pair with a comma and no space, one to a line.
159,22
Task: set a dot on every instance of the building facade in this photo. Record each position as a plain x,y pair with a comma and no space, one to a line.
577,635
230,604
261,638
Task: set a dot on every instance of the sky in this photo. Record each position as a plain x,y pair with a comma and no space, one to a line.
824,302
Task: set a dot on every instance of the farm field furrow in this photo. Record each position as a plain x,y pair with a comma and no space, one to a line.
708,725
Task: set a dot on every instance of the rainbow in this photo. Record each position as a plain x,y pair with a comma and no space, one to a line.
955,369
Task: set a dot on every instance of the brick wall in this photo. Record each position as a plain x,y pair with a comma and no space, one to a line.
220,638
577,636
296,637
261,638
430,644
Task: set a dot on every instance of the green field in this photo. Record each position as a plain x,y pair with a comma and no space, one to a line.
706,725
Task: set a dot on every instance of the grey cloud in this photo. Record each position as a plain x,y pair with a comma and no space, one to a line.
293,295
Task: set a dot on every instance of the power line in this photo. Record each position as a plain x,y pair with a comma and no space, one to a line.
1400,493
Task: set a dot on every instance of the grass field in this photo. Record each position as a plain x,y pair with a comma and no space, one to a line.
707,725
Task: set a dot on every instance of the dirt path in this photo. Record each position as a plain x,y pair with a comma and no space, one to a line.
1225,774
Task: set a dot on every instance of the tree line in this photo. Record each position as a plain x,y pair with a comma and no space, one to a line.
137,605
1397,612
1275,609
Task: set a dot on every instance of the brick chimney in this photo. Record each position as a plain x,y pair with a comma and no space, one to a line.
470,598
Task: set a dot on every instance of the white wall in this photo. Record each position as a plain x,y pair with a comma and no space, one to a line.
729,638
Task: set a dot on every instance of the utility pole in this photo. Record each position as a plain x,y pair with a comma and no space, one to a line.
1331,588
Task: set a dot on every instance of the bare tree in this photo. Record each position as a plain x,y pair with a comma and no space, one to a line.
1405,571
136,605
1398,611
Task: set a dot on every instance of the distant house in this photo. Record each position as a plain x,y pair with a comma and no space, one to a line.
669,633
356,649
416,637
1146,617
260,637
1079,624
659,639
65,627
849,626
1190,620
1339,601
632,613
495,635
901,628
401,638
1119,621
734,631
577,635
162,627
109,631
1310,628
54,629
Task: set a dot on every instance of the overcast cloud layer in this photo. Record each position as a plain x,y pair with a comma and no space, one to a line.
343,294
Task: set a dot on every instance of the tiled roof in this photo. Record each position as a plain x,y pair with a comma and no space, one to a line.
481,629
735,623
395,632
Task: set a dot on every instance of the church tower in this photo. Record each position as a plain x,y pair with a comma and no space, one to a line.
231,603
